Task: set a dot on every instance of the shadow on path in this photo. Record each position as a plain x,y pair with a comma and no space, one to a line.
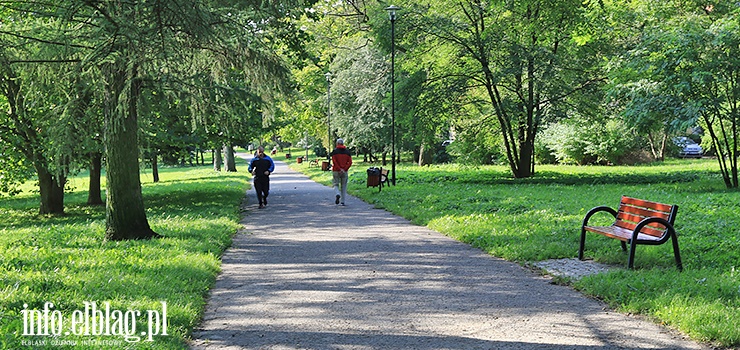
307,274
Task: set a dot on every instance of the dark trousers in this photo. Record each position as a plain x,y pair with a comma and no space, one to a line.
262,186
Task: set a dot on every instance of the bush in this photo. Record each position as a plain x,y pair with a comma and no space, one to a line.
476,144
441,155
320,151
580,142
562,140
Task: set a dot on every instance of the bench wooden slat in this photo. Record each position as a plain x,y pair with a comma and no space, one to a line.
645,230
645,213
620,233
630,222
631,218
647,204
633,210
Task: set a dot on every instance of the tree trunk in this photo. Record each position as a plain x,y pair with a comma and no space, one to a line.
93,193
217,160
725,152
524,169
155,166
125,215
51,189
230,161
663,146
426,155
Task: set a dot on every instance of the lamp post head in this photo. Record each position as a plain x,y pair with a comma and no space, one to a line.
392,11
328,76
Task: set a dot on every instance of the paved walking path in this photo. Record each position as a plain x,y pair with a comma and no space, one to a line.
307,274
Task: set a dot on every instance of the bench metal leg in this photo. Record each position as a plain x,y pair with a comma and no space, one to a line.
676,253
583,243
624,246
631,261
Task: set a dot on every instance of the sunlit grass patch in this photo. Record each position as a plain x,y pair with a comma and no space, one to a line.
65,260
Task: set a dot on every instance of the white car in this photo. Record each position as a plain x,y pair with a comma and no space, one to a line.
689,148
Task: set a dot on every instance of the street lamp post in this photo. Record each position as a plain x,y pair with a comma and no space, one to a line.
328,111
392,13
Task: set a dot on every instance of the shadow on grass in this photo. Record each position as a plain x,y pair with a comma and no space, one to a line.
187,196
488,177
82,226
171,196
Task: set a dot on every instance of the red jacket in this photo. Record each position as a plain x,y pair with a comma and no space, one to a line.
341,158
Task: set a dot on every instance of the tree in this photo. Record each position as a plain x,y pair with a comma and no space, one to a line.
339,34
527,56
686,65
359,85
638,86
133,36
36,124
718,90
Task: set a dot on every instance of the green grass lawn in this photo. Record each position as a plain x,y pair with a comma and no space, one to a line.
539,218
66,261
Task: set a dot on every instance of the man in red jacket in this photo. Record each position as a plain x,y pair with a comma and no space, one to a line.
341,159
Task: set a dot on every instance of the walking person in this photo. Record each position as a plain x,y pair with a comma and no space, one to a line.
342,161
261,167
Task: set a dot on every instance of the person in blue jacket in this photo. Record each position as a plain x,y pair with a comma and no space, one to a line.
261,167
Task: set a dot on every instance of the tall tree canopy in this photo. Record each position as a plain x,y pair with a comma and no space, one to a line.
126,44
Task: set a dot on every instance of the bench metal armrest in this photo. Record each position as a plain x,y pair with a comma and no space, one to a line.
644,222
596,210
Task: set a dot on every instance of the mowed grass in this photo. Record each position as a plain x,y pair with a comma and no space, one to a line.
66,260
539,218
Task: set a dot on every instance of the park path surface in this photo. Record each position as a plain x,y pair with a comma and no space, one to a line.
308,274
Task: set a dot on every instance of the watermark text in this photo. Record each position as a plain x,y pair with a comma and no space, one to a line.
93,320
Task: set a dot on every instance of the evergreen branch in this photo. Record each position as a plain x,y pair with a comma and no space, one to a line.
44,61
43,41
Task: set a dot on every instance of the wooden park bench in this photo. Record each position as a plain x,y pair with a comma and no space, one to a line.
636,222
383,179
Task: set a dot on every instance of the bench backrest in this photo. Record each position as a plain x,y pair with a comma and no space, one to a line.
632,210
383,175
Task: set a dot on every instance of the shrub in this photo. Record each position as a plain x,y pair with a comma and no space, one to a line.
476,144
581,142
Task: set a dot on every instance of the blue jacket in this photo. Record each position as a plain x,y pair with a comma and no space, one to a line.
261,165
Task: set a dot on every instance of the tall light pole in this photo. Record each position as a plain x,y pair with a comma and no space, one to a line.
328,111
392,13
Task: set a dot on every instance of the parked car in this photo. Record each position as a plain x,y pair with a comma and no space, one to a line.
688,148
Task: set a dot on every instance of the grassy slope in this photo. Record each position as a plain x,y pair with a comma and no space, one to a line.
539,218
65,260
